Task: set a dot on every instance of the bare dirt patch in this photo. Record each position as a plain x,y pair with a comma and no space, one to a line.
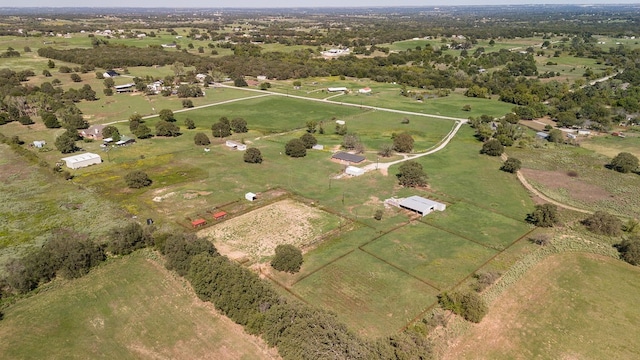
575,188
257,233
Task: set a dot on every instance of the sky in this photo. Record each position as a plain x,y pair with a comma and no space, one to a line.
289,3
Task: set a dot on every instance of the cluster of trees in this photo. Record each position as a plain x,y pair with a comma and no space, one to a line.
411,174
469,305
224,126
545,215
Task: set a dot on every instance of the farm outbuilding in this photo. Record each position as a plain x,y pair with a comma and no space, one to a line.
39,144
82,160
250,196
219,215
236,145
421,205
354,171
198,223
344,157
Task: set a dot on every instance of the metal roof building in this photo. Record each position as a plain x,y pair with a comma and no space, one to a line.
352,158
82,160
421,205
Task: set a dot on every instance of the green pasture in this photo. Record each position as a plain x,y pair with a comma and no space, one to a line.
433,255
568,305
129,308
621,190
446,106
479,224
460,172
611,146
371,296
33,202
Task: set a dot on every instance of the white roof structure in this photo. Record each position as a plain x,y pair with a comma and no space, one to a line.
354,171
250,196
82,160
421,205
336,89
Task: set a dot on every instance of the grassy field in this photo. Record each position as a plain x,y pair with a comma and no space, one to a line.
611,146
460,172
567,307
33,201
435,256
365,291
592,185
482,226
129,308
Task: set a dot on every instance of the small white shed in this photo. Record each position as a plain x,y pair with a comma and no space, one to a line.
250,196
39,144
340,122
236,145
353,171
82,160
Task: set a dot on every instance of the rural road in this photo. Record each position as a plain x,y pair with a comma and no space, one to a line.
377,166
542,196
537,193
384,166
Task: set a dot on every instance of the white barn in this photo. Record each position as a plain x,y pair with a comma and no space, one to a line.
82,160
354,171
250,196
421,205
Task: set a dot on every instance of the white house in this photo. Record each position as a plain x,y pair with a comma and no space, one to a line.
421,205
354,171
366,90
82,160
250,196
236,145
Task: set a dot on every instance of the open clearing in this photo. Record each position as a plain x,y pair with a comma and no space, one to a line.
374,297
569,306
256,234
129,308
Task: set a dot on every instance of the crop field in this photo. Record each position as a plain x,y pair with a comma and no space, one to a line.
128,308
255,235
567,307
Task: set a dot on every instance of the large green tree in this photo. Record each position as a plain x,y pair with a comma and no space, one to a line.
403,143
252,156
492,147
295,148
137,179
287,258
66,144
624,162
411,174
545,215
